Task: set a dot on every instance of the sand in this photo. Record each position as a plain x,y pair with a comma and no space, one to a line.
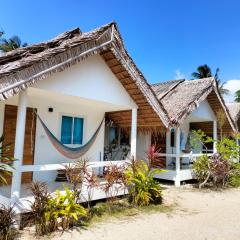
198,214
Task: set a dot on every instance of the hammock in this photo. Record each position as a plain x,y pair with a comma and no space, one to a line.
69,152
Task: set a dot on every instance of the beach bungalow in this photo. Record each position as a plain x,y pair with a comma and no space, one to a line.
234,110
78,94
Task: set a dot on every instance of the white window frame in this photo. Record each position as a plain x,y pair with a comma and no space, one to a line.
73,116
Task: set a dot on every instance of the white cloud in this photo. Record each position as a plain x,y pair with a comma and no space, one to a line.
232,86
179,74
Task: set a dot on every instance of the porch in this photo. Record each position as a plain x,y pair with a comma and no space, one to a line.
25,198
177,151
36,157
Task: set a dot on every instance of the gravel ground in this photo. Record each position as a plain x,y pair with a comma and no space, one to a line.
198,214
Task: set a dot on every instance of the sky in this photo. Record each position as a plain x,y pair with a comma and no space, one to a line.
167,39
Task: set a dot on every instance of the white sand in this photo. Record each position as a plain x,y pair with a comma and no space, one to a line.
198,215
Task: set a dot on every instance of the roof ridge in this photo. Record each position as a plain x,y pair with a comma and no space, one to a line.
165,82
171,88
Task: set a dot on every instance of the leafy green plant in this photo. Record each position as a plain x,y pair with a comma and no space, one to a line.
201,168
217,169
143,189
234,176
39,207
152,156
113,176
64,209
5,161
7,221
92,183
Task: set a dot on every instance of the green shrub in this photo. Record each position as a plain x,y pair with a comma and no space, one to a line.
143,189
201,168
64,209
51,212
38,209
234,177
218,169
6,161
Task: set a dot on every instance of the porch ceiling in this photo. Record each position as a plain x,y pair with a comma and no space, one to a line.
53,97
147,117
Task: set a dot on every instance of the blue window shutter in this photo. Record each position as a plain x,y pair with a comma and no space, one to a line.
66,130
78,131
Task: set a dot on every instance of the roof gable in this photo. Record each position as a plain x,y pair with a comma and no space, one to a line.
183,97
22,67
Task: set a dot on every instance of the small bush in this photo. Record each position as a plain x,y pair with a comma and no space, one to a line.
7,230
39,208
234,177
51,212
64,209
201,168
143,189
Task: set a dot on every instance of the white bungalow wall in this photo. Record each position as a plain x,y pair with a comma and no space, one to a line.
88,89
91,79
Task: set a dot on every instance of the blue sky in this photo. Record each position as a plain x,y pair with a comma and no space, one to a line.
166,39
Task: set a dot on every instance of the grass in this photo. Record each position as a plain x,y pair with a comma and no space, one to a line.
120,208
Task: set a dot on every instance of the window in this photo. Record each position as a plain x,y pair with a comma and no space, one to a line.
72,130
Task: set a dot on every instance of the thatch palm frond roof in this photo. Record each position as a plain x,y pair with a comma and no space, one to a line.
234,110
161,106
180,98
163,88
22,67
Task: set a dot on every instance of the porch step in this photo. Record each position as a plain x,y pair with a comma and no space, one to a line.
61,176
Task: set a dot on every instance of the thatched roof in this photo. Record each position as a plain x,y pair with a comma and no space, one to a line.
22,67
160,106
163,88
180,98
234,110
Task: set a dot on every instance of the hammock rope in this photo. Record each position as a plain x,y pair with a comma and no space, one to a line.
69,152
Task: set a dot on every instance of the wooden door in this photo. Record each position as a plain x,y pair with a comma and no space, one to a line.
9,132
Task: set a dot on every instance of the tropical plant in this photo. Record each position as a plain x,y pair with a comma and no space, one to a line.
113,176
234,176
143,189
7,222
201,169
10,44
237,96
64,209
92,183
6,161
39,207
218,169
152,155
204,71
76,175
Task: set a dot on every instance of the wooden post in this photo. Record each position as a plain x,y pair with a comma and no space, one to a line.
168,146
215,136
19,146
134,133
177,178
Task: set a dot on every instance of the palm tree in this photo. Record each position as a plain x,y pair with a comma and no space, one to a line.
237,96
204,71
10,44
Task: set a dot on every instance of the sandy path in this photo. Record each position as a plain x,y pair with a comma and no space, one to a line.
198,215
